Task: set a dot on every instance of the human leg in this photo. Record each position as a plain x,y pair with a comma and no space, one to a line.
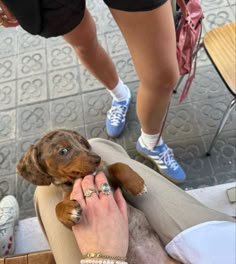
150,36
92,55
61,240
168,209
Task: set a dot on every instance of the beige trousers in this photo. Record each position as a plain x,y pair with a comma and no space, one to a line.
168,209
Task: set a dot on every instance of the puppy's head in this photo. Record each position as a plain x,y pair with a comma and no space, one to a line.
61,156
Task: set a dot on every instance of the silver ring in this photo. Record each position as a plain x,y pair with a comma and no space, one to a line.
105,188
89,192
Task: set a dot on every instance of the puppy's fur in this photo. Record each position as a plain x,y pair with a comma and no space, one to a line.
61,157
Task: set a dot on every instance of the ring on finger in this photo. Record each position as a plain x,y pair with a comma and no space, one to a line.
89,192
105,188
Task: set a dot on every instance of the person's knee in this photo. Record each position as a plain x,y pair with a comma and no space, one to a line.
162,82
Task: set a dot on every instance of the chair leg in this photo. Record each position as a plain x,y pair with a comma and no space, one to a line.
222,123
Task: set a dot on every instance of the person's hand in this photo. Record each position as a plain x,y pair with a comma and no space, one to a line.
104,224
6,18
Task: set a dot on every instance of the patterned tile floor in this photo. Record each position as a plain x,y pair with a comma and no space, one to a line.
44,86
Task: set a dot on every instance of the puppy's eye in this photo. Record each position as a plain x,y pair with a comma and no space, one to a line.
63,151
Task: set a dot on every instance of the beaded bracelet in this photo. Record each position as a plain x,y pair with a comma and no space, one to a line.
100,261
102,256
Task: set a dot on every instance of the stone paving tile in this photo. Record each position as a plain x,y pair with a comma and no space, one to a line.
7,158
223,154
7,69
33,119
63,82
32,89
32,62
218,17
8,185
60,57
44,86
7,125
8,43
209,114
67,112
7,95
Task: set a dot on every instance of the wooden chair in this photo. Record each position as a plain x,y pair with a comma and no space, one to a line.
220,46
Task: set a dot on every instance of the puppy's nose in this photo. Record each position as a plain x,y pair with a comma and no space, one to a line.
97,160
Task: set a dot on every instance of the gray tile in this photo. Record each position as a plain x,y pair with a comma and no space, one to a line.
28,42
67,112
207,85
218,17
25,194
125,68
32,120
96,104
31,63
212,4
7,95
7,185
191,154
27,213
223,154
87,81
32,89
8,43
7,69
7,158
210,112
181,123
7,125
225,177
116,43
63,82
60,57
98,130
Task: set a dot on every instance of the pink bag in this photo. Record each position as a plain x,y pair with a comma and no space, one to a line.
188,38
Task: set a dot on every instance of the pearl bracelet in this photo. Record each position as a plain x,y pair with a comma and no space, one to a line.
100,261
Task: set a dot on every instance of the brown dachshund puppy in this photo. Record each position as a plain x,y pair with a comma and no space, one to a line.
61,157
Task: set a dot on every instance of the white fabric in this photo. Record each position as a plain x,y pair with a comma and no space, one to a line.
150,141
211,242
120,92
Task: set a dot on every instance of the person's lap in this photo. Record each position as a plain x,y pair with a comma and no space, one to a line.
168,209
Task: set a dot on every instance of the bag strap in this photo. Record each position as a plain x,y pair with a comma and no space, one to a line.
183,7
163,123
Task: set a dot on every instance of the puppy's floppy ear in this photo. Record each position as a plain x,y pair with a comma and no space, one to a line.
29,168
83,141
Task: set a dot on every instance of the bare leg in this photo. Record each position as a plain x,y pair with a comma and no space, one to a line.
150,37
85,43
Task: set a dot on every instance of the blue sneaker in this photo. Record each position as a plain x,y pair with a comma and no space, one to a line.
163,158
115,121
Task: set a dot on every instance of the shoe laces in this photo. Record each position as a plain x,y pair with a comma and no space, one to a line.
168,158
6,215
117,114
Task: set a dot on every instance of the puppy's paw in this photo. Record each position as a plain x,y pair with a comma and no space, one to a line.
69,212
145,190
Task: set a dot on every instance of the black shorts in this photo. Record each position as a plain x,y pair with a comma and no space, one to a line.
51,18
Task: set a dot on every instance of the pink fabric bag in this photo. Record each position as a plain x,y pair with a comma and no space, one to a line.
188,40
